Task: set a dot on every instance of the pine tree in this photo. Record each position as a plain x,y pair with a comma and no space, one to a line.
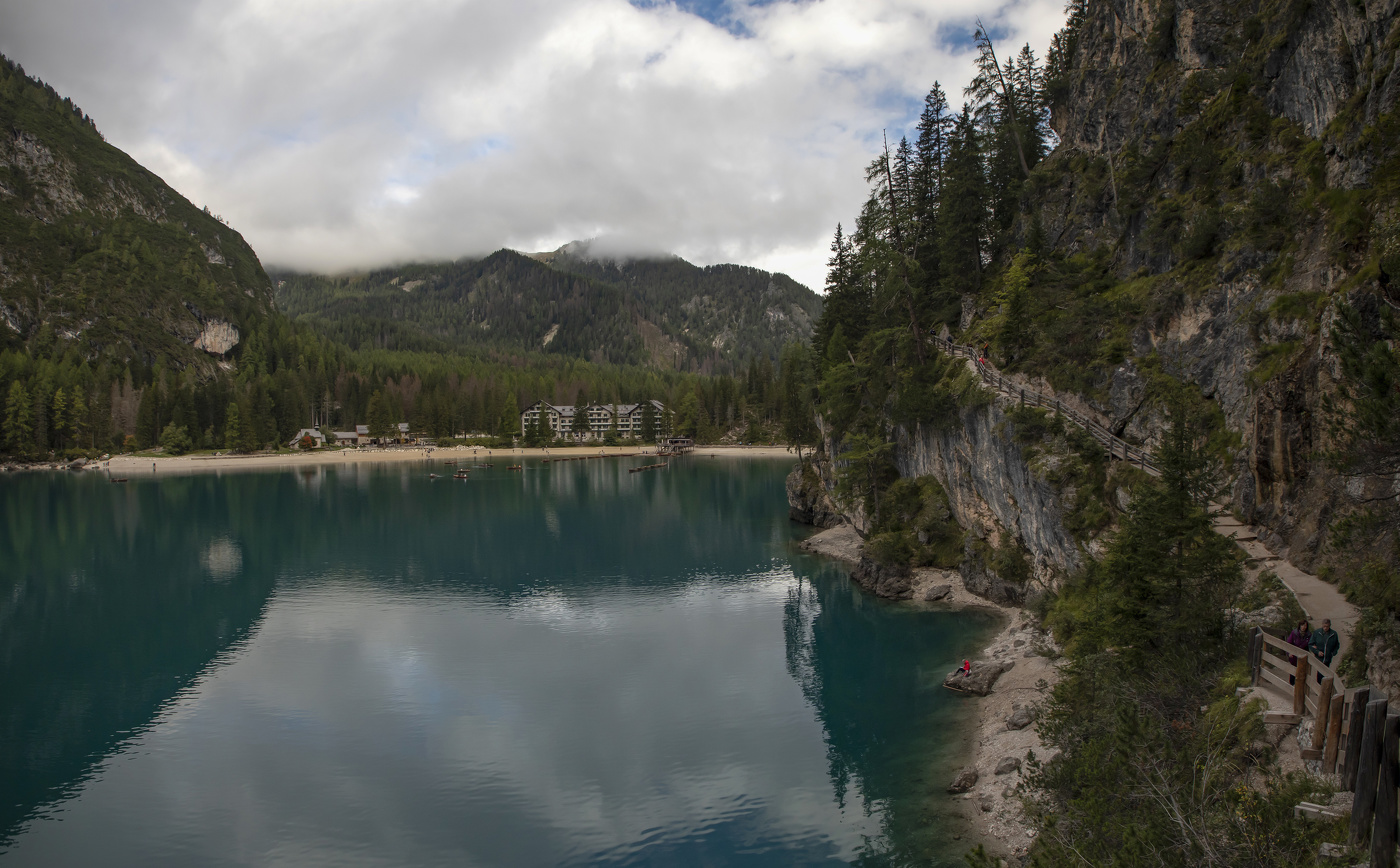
931,150
847,304
508,419
798,386
962,210
78,417
380,417
58,419
148,417
1014,336
233,432
19,426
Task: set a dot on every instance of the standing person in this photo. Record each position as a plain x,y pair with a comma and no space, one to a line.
1325,644
1300,637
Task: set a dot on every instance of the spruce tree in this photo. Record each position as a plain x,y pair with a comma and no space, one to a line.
847,304
19,426
962,210
233,430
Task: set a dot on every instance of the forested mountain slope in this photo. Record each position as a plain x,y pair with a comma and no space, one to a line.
99,252
666,313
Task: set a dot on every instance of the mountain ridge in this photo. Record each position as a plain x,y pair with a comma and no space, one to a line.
661,311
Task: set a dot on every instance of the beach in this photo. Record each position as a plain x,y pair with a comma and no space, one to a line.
132,465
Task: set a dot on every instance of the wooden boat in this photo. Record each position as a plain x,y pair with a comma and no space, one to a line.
515,467
461,474
119,479
433,476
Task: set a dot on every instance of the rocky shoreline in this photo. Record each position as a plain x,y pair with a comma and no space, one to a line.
1011,677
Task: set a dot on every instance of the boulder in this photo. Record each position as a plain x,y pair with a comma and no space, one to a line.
1008,764
1021,717
985,803
937,592
978,682
966,780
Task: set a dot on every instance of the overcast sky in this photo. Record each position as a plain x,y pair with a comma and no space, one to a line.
338,134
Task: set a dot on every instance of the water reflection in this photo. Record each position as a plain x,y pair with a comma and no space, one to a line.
573,665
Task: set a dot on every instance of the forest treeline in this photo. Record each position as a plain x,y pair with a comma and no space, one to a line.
287,377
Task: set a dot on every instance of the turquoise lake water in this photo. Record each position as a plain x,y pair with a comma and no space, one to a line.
569,665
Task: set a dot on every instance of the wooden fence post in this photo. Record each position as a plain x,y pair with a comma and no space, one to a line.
1355,724
1334,734
1324,709
1363,805
1255,641
1300,685
1383,836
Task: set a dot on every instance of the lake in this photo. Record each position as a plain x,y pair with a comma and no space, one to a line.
565,665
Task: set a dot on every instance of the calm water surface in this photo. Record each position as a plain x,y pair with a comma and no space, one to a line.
573,665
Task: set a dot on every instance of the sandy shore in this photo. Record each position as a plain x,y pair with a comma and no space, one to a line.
127,465
991,807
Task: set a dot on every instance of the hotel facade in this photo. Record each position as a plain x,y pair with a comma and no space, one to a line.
560,419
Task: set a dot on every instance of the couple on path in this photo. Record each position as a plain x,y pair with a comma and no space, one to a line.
1322,643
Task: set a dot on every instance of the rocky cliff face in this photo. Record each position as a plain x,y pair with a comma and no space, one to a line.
1235,159
1001,499
993,491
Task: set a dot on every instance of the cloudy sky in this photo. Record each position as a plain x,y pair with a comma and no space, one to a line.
338,134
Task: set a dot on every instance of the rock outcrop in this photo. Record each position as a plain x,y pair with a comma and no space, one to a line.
977,682
218,337
893,582
809,502
993,492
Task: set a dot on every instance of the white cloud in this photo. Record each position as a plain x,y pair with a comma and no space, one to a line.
341,134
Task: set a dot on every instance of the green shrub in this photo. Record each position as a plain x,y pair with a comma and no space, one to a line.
175,439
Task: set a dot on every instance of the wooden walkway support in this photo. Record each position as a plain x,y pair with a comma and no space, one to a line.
992,378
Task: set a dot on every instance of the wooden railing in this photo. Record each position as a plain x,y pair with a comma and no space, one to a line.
992,378
1350,727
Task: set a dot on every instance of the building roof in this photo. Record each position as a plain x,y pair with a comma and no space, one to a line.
403,427
362,430
346,435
